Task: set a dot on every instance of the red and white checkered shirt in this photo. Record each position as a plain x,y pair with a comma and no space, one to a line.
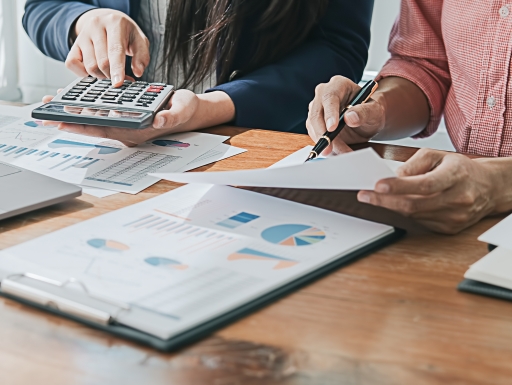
459,53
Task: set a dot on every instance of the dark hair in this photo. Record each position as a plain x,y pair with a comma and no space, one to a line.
202,34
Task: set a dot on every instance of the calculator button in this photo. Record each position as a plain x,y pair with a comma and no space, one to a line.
158,84
108,93
69,97
150,94
77,87
89,80
114,90
131,93
112,102
156,88
95,92
92,100
106,97
73,93
127,82
105,81
126,100
141,104
83,84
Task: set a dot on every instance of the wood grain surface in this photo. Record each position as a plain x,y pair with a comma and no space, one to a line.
394,317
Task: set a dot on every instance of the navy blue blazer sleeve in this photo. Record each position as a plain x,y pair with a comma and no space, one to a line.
277,96
48,22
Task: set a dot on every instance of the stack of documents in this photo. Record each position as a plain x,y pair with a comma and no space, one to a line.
496,267
103,166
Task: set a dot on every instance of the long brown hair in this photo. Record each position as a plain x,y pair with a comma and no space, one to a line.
202,34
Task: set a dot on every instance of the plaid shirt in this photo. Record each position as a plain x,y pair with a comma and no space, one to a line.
459,53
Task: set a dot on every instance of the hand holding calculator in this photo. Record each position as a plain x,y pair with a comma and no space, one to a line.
93,101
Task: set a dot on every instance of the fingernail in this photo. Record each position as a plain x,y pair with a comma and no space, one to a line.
363,197
160,122
330,122
352,118
116,79
382,188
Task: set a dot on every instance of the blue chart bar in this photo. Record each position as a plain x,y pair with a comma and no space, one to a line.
238,220
44,155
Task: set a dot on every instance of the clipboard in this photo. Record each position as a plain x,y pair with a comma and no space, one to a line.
60,298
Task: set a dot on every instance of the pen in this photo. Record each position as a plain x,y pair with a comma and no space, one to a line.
361,98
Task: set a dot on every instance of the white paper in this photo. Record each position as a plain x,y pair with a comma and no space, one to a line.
98,192
97,162
196,252
499,235
495,268
221,152
359,170
299,156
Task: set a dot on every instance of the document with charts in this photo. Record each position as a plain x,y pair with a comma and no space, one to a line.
194,253
97,162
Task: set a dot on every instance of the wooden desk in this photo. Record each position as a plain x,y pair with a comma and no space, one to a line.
394,317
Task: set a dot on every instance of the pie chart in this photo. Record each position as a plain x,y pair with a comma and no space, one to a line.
107,245
170,143
293,235
165,262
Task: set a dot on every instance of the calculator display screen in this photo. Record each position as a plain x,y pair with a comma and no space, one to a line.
99,112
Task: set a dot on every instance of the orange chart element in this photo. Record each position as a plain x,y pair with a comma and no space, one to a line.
107,245
255,255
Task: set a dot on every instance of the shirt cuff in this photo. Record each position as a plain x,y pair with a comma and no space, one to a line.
423,77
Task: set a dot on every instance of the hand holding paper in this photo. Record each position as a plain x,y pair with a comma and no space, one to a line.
359,170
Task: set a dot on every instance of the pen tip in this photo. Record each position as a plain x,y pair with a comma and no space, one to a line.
311,156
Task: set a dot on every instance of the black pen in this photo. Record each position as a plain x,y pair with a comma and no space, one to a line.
361,98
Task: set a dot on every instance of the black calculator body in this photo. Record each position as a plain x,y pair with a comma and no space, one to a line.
94,101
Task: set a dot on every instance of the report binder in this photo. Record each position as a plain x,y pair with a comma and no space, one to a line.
475,287
58,298
174,303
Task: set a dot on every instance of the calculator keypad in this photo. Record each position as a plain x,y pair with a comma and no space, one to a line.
96,91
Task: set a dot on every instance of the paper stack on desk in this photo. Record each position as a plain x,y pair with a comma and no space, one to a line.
496,267
103,166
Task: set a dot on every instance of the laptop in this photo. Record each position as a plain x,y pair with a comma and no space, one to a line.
22,191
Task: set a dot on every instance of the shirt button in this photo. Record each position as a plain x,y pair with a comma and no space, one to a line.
504,11
491,101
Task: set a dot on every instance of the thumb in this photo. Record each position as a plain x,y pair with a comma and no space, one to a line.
423,161
366,120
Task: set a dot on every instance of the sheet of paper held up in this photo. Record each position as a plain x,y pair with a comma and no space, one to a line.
298,158
499,235
358,170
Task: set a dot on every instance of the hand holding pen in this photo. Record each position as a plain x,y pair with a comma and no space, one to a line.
362,97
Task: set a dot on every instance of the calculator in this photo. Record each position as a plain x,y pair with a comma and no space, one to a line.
94,101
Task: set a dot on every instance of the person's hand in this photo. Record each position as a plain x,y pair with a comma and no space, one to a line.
363,121
181,114
185,111
102,39
445,192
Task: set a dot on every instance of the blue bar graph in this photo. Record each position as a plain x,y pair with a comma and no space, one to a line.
238,220
53,160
